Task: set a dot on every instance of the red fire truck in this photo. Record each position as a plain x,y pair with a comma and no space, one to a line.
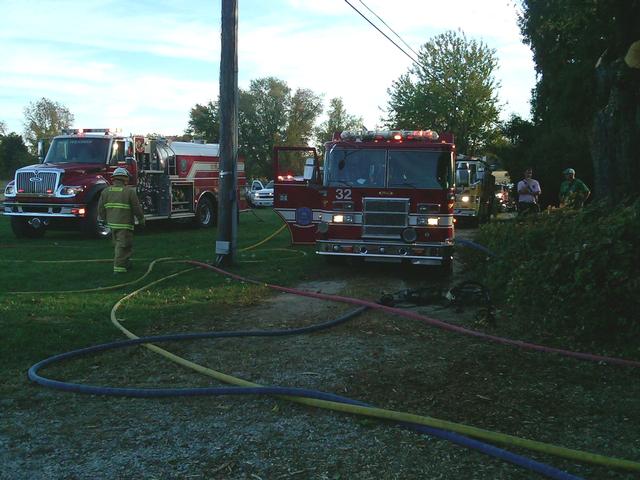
175,180
382,196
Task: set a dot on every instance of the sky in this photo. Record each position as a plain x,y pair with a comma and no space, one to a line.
142,65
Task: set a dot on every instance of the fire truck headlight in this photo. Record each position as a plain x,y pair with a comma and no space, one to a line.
432,221
10,189
409,235
70,191
342,218
465,199
323,227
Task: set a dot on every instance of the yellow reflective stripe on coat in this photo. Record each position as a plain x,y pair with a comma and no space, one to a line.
116,189
120,226
125,206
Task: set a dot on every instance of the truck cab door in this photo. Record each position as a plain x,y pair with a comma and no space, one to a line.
121,157
298,193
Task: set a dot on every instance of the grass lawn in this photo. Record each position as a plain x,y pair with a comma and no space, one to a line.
38,325
385,360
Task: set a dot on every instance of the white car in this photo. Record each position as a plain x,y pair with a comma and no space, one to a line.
260,195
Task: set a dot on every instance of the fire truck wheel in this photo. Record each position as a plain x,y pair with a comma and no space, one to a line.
90,226
205,213
23,229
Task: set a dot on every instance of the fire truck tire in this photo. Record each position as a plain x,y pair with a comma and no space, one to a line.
22,229
205,213
90,226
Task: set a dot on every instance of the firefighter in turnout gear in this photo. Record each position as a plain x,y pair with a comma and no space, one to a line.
118,206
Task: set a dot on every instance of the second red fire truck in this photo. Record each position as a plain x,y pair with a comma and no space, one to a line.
174,180
383,196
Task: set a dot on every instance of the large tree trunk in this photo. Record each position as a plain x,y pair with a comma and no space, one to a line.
615,147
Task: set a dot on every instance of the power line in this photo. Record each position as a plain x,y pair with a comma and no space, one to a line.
432,77
385,35
392,30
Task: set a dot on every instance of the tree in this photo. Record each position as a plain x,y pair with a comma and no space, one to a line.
3,128
266,108
45,119
304,110
452,89
204,122
338,120
268,115
587,89
13,154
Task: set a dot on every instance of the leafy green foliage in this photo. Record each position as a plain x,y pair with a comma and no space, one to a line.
44,119
338,120
586,99
204,122
268,115
546,151
568,272
451,89
13,154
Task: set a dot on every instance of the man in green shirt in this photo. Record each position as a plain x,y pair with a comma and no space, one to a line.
118,206
573,191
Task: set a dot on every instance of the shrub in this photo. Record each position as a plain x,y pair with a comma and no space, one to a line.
574,272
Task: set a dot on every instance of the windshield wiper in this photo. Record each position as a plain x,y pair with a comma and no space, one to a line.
403,184
341,182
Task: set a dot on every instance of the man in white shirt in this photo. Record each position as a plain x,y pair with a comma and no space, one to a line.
528,193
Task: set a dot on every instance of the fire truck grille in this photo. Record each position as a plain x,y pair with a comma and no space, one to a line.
38,183
385,217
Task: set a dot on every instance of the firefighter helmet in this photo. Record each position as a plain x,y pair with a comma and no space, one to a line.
569,171
121,172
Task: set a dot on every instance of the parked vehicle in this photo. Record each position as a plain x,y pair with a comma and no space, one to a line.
475,187
259,194
505,202
174,180
380,196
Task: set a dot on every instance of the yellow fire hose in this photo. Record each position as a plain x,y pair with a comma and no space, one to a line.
379,413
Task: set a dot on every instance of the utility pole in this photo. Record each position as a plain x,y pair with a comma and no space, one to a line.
227,201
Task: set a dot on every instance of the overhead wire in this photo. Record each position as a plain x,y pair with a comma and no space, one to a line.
384,34
391,29
416,61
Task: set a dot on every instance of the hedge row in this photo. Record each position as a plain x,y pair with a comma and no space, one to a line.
574,272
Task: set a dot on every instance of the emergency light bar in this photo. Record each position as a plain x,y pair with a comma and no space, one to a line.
81,131
388,136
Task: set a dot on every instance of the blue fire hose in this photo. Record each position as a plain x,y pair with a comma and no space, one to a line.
529,464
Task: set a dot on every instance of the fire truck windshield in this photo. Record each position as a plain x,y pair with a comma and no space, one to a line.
78,150
419,169
355,167
390,168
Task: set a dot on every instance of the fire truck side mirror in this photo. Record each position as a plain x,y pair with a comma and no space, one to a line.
40,151
309,169
128,152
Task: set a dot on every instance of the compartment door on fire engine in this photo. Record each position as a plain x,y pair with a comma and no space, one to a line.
297,196
154,184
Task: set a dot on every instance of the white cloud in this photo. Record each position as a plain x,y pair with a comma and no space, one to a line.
120,64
